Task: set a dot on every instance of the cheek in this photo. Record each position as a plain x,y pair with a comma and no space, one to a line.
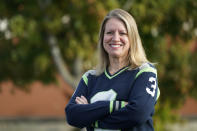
127,44
104,44
125,40
106,39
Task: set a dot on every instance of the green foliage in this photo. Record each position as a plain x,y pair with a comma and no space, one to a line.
168,33
26,54
167,27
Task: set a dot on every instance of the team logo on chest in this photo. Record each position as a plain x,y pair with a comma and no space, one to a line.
104,96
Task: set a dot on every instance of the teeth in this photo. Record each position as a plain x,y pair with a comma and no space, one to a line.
115,45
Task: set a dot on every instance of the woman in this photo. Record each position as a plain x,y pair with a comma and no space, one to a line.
121,93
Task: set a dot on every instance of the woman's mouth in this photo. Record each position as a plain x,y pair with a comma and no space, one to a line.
115,45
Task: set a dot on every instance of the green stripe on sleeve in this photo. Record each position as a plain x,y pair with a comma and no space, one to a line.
122,104
111,106
85,79
147,69
96,124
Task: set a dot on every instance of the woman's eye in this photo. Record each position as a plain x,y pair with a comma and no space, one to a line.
109,32
123,33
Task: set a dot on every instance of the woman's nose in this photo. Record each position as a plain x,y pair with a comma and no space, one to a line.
116,36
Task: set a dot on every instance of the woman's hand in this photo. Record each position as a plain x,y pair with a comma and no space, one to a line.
81,100
126,103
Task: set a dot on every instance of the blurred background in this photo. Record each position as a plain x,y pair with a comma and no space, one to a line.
46,46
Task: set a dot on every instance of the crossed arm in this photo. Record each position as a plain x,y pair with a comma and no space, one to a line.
139,108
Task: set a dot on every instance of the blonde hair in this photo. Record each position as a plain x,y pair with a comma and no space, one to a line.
136,55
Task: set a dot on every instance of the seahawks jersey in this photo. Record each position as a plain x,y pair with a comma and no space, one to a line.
107,96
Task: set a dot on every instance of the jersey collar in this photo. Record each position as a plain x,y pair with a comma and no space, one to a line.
108,75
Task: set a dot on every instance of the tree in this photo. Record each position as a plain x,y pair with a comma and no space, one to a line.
38,31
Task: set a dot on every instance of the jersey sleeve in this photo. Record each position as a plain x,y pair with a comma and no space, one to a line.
141,103
83,115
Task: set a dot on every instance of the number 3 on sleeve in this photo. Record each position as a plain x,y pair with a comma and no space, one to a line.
153,86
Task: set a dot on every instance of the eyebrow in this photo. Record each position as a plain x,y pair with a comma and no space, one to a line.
113,30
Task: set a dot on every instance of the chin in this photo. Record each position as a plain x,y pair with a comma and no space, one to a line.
115,55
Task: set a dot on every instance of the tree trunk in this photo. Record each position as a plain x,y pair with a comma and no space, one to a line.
59,62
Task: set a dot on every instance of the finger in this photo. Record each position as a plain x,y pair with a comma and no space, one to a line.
84,99
78,100
126,103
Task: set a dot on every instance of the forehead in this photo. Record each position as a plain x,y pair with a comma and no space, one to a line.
115,23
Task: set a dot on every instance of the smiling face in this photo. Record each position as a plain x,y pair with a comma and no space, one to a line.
116,41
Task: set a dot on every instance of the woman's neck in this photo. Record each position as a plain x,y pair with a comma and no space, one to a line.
116,64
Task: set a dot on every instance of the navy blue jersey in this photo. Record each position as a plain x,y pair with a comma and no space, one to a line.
107,95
